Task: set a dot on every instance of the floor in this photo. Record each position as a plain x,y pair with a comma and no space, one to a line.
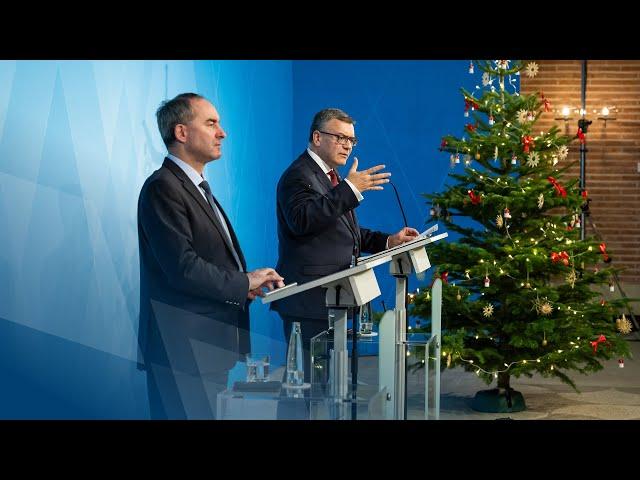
610,394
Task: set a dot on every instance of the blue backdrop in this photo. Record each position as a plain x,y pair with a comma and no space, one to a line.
78,139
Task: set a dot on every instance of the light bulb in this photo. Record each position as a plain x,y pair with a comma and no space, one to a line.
565,111
605,111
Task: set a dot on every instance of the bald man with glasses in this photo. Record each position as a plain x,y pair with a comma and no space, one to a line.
318,231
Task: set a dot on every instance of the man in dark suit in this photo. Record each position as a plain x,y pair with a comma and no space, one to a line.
318,231
194,286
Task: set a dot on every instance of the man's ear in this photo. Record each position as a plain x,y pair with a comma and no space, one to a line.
180,132
315,138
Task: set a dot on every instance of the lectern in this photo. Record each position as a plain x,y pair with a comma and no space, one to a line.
405,259
351,287
357,286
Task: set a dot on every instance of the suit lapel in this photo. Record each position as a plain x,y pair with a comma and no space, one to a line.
325,184
234,238
208,210
351,216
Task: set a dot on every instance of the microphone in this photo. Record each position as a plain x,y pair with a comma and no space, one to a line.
404,217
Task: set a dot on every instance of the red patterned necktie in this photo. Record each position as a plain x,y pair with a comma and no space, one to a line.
333,176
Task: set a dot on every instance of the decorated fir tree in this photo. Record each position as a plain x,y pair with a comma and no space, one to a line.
518,294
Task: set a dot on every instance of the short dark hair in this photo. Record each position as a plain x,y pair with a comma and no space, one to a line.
323,116
172,112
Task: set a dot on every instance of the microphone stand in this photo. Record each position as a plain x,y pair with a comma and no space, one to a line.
404,217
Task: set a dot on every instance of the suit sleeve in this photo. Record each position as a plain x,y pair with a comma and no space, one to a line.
372,242
167,230
307,211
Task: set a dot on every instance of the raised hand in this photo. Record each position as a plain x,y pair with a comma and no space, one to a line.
367,179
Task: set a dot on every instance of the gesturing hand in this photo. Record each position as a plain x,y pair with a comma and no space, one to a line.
367,179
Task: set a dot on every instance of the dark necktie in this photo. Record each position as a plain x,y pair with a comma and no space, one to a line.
333,176
207,190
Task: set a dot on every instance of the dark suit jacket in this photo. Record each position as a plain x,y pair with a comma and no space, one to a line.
316,233
193,298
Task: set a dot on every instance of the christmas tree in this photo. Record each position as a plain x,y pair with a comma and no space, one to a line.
518,294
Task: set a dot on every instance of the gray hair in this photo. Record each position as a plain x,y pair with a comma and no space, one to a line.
172,112
323,116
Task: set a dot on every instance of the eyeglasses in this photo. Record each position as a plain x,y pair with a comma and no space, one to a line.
341,139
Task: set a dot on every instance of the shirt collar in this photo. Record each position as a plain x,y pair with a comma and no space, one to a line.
321,163
191,172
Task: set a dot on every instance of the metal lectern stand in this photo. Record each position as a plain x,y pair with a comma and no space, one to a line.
348,288
404,259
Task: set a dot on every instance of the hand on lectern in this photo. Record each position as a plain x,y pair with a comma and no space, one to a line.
263,278
367,179
405,235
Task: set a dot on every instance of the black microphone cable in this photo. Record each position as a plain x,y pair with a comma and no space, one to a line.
404,217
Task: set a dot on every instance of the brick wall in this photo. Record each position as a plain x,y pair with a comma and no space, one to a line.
612,177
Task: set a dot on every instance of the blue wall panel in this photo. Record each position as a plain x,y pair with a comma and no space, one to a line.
78,139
